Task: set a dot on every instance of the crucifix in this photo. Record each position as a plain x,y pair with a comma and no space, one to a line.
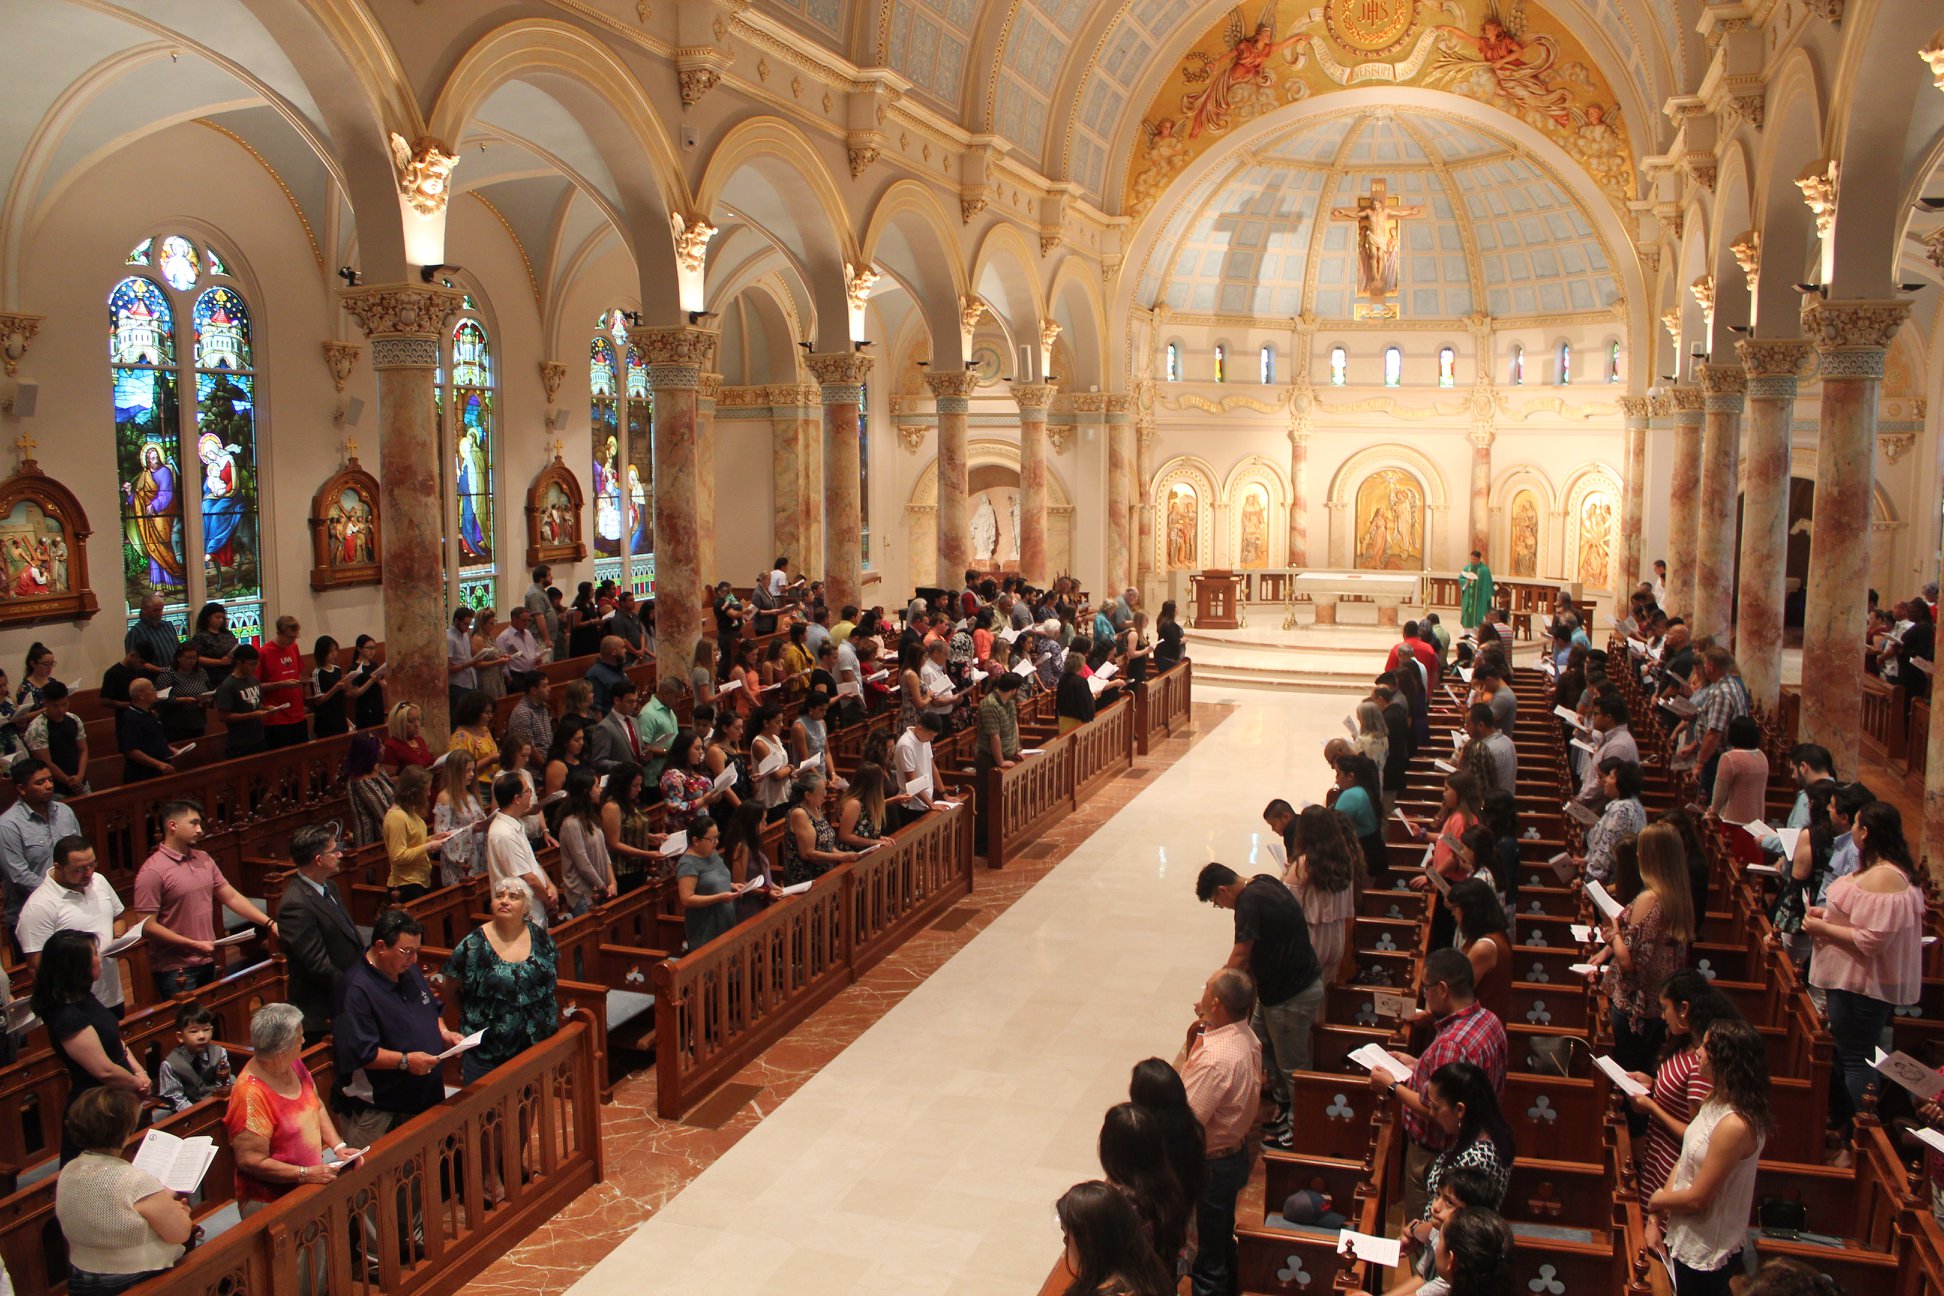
26,444
350,448
1376,215
559,447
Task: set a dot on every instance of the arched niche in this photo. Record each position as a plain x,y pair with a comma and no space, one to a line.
1184,498
992,472
1592,528
1256,502
1523,505
1345,530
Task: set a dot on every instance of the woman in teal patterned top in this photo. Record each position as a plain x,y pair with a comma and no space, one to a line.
505,975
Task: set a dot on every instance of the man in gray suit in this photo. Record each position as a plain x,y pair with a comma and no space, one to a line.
614,740
319,937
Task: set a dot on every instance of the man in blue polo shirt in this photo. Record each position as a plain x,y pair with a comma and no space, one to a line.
387,1034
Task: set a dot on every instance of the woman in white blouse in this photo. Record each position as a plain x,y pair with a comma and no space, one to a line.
122,1226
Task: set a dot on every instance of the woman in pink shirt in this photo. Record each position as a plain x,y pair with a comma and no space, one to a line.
1869,948
1741,777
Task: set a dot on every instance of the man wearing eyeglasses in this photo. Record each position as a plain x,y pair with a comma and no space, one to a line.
75,897
319,937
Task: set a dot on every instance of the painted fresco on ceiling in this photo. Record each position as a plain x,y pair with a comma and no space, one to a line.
1515,57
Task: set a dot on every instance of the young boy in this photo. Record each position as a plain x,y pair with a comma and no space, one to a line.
1460,1187
197,1065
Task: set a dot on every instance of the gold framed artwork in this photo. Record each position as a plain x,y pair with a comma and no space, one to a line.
44,547
553,514
347,540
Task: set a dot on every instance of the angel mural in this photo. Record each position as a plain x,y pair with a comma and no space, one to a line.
1390,522
1504,61
1239,76
1182,522
1596,541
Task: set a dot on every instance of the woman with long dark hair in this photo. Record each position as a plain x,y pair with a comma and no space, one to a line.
1690,1006
1360,798
1156,1089
1708,1197
1485,937
1324,877
1168,638
1868,938
1464,1105
85,1034
1134,1157
1105,1250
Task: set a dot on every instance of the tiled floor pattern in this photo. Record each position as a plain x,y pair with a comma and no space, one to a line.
650,1161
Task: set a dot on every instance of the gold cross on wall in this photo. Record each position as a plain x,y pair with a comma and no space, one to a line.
26,444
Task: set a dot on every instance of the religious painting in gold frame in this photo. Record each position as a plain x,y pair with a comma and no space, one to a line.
1595,558
1390,522
43,550
1525,534
1182,521
553,516
347,539
1254,528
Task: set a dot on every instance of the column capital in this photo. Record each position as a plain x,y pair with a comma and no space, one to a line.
1661,406
676,356
403,321
1774,366
841,375
951,386
1852,336
1482,436
1034,399
1119,406
17,330
1636,408
1688,400
1722,386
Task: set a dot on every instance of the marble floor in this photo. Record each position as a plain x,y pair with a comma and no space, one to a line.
913,1136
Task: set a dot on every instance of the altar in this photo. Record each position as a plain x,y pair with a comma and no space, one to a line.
1390,591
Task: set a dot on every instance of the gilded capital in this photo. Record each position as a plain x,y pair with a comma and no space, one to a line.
1034,399
415,311
792,396
1723,379
711,388
1661,406
1852,325
1119,403
677,346
1774,357
947,385
1688,400
840,368
1636,407
1087,402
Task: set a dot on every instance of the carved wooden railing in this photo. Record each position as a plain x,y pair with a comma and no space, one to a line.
1916,759
1102,749
718,1008
1162,703
1884,705
536,1117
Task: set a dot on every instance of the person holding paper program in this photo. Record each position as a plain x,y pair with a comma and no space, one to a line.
121,1225
506,974
278,1126
809,838
75,897
387,1034
1646,943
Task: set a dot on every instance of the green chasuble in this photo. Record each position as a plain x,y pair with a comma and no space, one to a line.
1476,597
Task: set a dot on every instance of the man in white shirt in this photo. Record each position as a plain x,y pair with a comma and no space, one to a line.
520,648
911,757
509,855
76,898
540,608
462,677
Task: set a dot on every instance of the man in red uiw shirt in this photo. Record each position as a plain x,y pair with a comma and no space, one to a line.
280,673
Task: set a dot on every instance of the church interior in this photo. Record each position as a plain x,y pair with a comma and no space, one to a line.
1267,348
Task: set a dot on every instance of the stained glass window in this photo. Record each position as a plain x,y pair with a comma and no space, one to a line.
620,425
1613,362
1174,362
1565,363
1221,364
640,469
226,448
1339,366
164,344
604,428
1268,365
1518,365
1393,366
1447,367
470,403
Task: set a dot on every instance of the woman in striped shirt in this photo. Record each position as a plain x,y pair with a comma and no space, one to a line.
1676,1090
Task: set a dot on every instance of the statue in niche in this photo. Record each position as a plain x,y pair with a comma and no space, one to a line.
1596,540
1390,522
1182,524
1012,502
985,530
1255,527
1525,534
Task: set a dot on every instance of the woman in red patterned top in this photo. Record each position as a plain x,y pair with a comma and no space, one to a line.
1689,1006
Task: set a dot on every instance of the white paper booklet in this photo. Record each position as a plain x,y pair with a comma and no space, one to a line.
677,843
1388,1252
178,1164
1625,1083
1570,716
126,941
1606,904
1372,1057
471,1041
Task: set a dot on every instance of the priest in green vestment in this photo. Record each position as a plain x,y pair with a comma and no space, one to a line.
1476,596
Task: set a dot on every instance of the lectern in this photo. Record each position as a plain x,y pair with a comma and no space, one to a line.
1218,599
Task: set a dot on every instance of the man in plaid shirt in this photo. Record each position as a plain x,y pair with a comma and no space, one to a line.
1720,700
1467,1032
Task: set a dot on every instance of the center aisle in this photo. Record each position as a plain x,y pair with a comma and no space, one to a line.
927,1157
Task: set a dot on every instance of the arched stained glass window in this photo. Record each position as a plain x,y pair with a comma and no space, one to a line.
1393,366
1174,362
604,431
1518,365
1447,367
620,427
1613,362
1339,366
1565,363
1221,364
1268,365
163,341
469,401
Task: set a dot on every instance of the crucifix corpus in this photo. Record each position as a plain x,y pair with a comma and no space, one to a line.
1376,215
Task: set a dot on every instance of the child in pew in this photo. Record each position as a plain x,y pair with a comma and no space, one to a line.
1463,1186
1473,1257
197,1066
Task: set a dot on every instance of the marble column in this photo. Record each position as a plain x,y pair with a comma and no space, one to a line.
1722,386
1684,501
405,323
1299,444
1034,400
1480,528
1634,456
951,392
1143,503
1851,339
1120,493
786,478
841,374
810,480
705,478
677,359
1773,369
